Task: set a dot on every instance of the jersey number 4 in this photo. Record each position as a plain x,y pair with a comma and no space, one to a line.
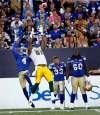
24,60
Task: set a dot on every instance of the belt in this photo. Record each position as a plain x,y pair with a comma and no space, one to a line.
42,65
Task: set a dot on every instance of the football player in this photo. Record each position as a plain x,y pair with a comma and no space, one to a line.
40,62
23,61
78,71
59,71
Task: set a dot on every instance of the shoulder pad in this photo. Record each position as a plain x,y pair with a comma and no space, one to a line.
84,58
63,63
51,65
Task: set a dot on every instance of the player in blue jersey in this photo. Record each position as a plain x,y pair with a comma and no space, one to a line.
59,70
78,71
20,52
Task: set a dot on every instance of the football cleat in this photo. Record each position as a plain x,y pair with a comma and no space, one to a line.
71,106
86,106
52,107
62,106
31,104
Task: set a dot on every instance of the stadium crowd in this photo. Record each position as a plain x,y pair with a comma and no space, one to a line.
59,23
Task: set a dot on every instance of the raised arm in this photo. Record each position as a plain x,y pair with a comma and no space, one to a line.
30,46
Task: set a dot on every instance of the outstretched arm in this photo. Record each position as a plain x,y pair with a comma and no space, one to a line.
31,37
43,42
30,46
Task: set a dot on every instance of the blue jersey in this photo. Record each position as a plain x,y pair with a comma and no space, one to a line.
58,71
22,60
55,34
77,67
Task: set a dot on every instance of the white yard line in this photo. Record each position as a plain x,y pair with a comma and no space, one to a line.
97,110
42,111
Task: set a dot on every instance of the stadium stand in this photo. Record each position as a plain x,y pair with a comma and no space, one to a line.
62,23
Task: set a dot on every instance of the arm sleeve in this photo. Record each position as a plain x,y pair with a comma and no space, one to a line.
64,67
14,50
50,67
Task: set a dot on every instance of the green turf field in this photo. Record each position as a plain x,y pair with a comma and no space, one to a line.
51,112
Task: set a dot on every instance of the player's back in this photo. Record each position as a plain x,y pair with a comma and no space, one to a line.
38,56
22,60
